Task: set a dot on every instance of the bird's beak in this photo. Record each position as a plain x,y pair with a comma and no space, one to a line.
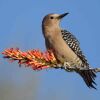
62,15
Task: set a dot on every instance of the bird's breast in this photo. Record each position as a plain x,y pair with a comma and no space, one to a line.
62,51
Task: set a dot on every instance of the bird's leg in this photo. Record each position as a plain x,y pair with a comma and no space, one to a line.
68,67
73,67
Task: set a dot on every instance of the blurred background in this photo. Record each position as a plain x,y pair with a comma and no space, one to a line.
20,26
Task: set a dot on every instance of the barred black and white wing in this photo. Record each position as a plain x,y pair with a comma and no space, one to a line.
74,44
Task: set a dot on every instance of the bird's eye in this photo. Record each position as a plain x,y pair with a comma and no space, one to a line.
51,17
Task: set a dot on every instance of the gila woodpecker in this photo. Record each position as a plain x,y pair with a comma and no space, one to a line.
66,47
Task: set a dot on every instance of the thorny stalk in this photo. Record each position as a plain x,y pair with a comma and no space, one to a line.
38,60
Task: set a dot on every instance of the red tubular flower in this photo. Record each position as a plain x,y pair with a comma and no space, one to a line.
35,59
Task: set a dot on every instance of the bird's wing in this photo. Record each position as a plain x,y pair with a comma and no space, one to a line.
74,44
87,75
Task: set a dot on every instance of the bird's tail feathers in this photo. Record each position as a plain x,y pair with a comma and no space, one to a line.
89,77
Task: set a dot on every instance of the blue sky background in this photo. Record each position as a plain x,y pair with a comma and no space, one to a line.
20,26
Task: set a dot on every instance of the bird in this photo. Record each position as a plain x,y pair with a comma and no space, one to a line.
66,47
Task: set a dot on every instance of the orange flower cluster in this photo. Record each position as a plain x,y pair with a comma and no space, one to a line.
32,58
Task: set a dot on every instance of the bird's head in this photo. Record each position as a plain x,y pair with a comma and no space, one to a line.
51,20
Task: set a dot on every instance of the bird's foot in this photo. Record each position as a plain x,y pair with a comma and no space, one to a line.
68,67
